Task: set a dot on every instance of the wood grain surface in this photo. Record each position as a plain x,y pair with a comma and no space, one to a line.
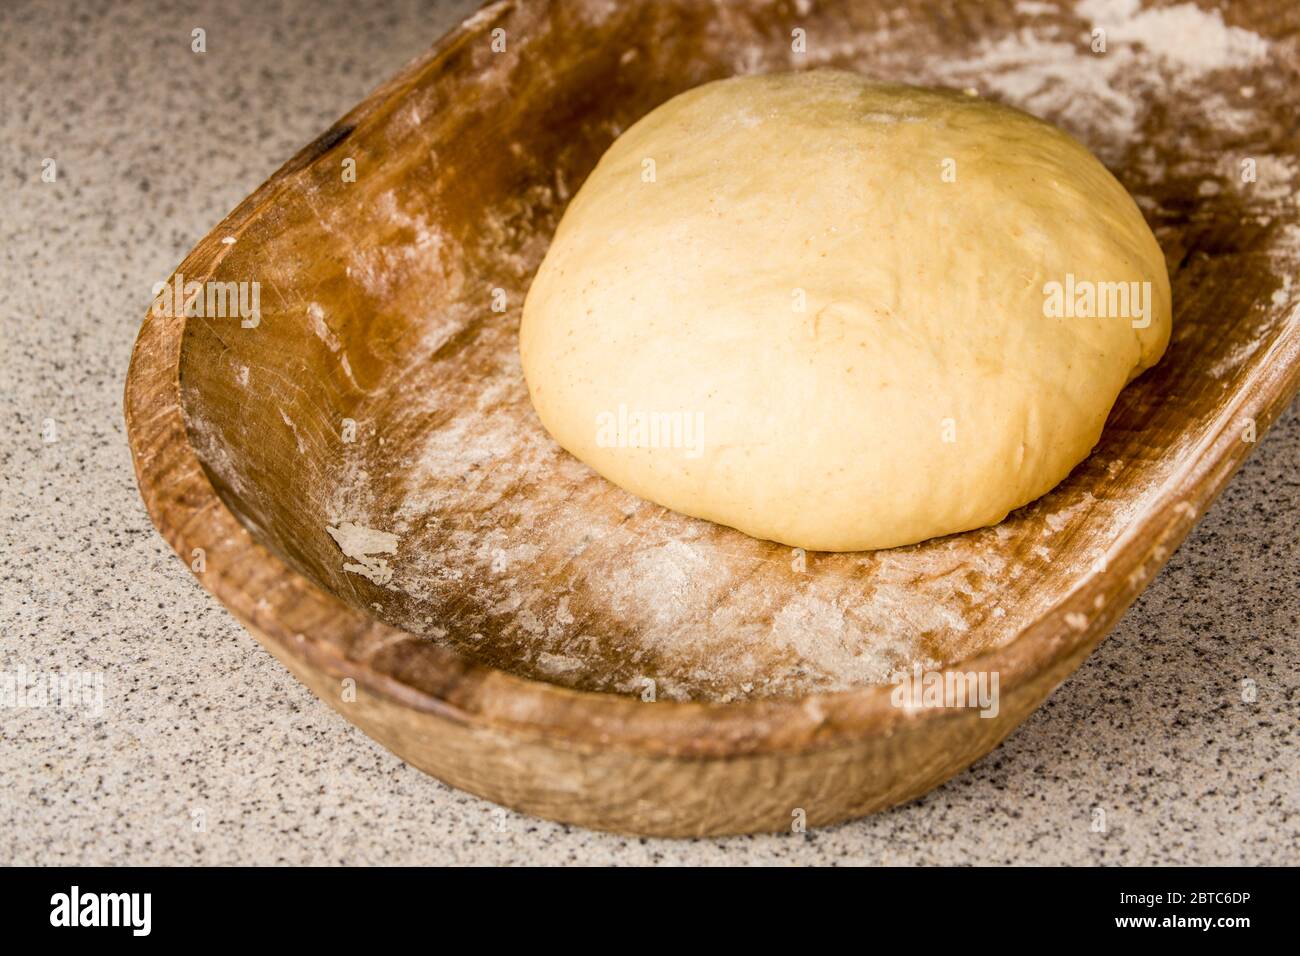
512,641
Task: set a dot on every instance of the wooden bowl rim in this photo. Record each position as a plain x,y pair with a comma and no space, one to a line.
189,514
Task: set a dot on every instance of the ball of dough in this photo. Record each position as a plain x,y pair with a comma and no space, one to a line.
840,314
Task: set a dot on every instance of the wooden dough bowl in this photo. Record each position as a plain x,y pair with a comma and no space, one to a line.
531,610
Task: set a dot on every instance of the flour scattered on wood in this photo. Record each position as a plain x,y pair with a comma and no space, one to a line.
1104,96
1196,40
297,439
362,544
316,315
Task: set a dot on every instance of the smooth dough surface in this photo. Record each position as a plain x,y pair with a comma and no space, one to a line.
811,307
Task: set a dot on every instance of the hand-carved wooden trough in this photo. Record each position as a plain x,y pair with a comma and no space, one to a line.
373,498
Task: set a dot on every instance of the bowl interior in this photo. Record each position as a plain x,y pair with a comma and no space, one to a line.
380,395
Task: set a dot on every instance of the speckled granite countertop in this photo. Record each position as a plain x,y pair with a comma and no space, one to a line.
207,751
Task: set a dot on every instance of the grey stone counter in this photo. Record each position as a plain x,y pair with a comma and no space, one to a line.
208,751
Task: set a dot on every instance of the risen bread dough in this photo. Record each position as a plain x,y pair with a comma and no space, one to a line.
822,310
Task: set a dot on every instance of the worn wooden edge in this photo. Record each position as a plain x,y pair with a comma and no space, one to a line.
285,610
